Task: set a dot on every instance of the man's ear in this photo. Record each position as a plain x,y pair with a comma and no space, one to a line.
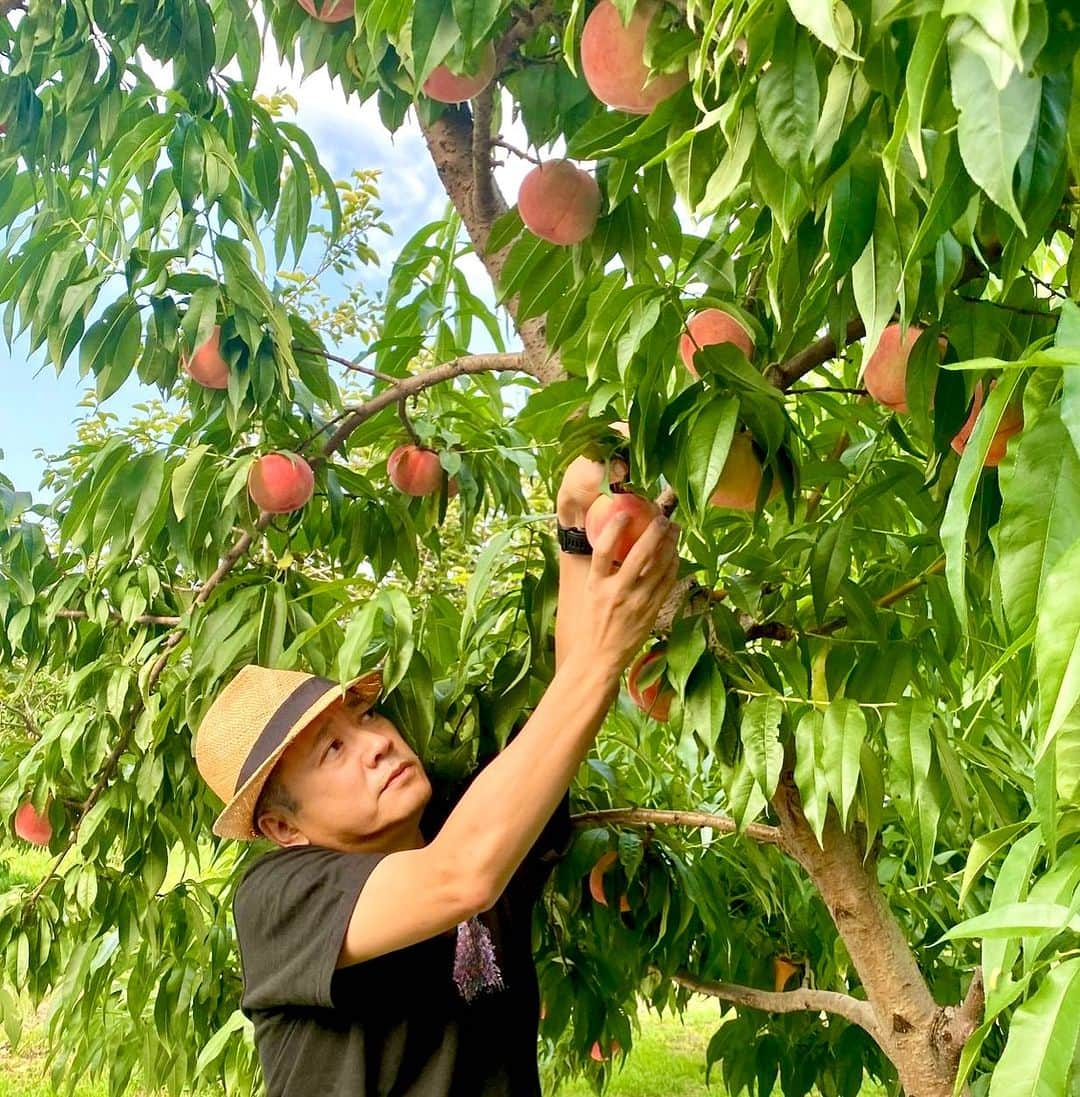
280,831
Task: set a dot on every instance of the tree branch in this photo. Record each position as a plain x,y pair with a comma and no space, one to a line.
855,1010
785,374
955,1024
409,386
650,817
894,595
142,619
484,202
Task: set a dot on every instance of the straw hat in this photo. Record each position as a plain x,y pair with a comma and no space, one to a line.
249,726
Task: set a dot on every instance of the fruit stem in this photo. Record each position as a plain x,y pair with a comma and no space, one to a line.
403,415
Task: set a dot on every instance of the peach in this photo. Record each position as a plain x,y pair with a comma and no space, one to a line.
596,880
597,1051
415,470
613,61
559,202
605,507
783,969
885,375
206,365
450,87
740,479
332,11
653,700
32,827
1012,422
280,482
709,327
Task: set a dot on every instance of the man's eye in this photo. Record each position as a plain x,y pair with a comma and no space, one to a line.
334,743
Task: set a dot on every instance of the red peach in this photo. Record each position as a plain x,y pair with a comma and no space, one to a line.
32,827
559,202
332,11
885,375
1012,422
450,87
596,880
613,60
740,479
206,365
605,507
653,700
414,470
711,326
280,482
597,1051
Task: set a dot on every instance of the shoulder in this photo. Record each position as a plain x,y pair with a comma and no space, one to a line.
285,869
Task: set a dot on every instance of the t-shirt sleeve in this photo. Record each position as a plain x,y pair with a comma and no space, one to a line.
291,912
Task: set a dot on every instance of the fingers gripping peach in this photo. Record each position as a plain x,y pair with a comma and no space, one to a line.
640,512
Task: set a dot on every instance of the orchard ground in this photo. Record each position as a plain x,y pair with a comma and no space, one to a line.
668,1056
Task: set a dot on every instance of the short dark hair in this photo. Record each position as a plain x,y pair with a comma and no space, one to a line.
275,796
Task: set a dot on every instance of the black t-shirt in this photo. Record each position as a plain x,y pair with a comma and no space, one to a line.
395,1025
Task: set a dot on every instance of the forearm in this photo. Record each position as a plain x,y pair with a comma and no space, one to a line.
501,815
573,572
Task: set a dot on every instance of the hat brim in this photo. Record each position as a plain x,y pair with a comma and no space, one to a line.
237,818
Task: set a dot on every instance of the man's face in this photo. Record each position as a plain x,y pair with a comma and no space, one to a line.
337,768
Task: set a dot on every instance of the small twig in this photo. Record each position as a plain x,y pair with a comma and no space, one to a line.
813,500
1052,290
649,817
498,142
1007,308
885,600
350,365
826,388
855,1010
785,374
27,718
403,415
142,619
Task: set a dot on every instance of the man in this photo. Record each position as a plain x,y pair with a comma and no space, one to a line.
386,945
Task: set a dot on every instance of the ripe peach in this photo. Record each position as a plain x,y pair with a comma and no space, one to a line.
605,507
451,87
32,827
885,375
712,326
653,700
559,202
740,479
331,11
1012,422
280,482
597,1051
206,365
596,880
612,60
415,470
783,969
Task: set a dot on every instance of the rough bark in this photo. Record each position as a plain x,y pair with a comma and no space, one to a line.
919,1036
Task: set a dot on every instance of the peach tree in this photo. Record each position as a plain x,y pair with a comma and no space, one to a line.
820,259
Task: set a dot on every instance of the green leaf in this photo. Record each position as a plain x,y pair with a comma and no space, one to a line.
475,18
983,850
830,561
962,494
1016,920
706,700
875,277
1043,1034
852,212
788,103
844,731
831,22
922,78
707,446
760,731
810,770
994,124
1057,647
1040,515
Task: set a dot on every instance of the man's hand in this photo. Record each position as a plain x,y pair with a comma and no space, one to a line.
620,602
581,484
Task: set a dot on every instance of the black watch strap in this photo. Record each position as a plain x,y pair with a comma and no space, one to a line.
573,539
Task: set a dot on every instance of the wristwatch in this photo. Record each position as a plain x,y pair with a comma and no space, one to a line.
572,539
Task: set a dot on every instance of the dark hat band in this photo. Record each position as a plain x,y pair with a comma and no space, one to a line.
281,723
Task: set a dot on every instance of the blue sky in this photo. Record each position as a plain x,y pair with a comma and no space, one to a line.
41,408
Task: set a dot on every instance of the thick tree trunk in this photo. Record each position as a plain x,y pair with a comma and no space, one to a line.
922,1039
